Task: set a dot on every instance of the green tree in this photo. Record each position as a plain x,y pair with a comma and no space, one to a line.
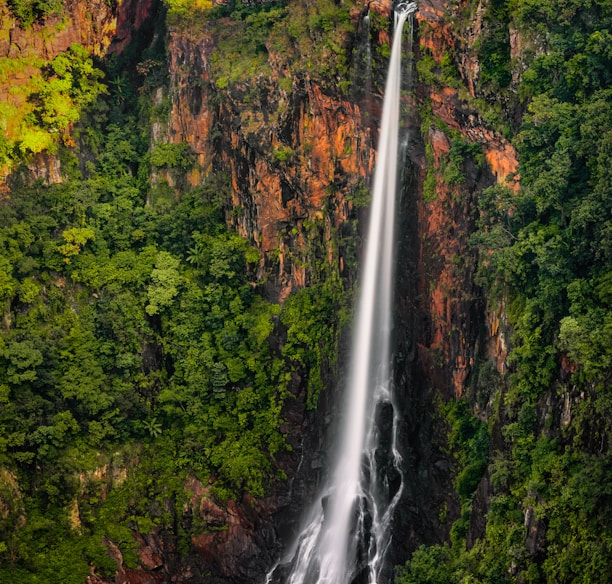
165,283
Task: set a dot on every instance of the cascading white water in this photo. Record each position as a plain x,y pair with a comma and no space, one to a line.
353,515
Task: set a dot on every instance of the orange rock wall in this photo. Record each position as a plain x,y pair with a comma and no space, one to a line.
452,304
98,25
326,137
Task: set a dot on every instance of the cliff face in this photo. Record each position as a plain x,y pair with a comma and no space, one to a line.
295,151
296,156
101,27
451,303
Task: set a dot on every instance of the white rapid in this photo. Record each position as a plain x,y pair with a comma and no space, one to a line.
348,531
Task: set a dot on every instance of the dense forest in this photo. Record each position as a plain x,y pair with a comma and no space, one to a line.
140,348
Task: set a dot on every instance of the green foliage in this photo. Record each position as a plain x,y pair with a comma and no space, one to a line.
361,195
439,73
450,169
282,154
71,83
314,316
75,239
165,281
469,442
310,38
30,11
453,170
493,48
312,336
426,69
428,565
577,59
242,42
172,156
184,12
46,107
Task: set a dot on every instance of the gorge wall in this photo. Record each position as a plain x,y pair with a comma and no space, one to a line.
298,151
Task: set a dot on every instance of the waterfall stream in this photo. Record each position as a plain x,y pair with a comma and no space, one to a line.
347,534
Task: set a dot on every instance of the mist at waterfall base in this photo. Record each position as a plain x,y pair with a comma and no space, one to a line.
347,533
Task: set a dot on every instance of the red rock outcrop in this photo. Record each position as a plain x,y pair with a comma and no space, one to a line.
226,539
447,262
285,168
98,25
232,531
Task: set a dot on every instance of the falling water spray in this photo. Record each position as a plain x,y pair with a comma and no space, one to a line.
347,533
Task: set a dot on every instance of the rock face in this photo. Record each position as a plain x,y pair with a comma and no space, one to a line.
297,156
450,302
293,156
441,314
327,148
98,25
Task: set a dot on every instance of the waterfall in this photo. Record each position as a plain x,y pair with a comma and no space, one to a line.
361,89
347,534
